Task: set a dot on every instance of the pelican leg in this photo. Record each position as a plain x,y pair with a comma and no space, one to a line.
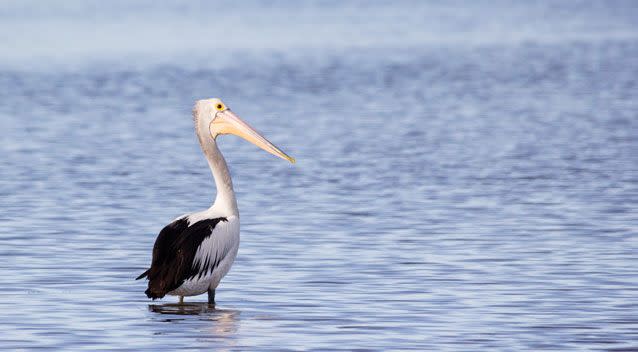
181,299
211,296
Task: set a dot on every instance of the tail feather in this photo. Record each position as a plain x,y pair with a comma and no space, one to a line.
144,274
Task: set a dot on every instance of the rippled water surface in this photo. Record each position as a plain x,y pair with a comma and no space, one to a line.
467,173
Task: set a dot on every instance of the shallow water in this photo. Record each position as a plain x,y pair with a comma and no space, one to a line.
466,178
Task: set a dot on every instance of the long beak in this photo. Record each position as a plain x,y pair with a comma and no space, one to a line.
227,122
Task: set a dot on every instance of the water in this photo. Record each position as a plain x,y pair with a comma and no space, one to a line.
466,178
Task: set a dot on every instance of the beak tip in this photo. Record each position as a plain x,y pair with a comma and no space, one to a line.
292,160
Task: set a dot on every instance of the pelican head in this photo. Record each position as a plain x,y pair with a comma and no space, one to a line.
217,119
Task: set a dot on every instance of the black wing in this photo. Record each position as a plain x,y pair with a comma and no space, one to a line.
168,234
173,255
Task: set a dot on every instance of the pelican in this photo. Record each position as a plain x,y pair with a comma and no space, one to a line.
194,252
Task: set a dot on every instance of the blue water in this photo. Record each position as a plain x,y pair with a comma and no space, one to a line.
467,173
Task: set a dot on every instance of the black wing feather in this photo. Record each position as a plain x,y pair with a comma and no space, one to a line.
173,255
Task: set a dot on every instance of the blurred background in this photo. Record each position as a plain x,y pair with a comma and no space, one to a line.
466,178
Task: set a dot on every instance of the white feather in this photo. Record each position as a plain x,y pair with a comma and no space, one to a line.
224,243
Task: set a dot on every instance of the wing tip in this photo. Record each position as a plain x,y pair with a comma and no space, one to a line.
153,295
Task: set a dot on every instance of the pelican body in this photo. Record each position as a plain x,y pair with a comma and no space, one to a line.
194,252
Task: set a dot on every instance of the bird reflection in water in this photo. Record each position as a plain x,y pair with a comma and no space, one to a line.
225,320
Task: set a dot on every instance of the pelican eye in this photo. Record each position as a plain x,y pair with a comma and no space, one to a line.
219,107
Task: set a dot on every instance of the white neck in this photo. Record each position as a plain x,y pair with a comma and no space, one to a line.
225,201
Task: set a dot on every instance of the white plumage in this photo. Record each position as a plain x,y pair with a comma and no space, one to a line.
224,243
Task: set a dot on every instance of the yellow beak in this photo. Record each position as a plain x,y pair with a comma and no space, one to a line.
226,122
